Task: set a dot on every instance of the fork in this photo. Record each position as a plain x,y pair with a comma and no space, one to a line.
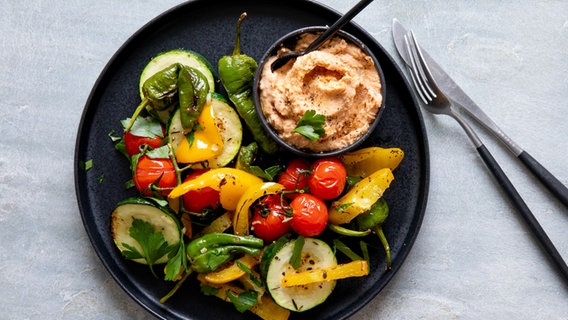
436,102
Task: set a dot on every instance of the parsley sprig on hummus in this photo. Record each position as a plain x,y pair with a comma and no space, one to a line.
311,125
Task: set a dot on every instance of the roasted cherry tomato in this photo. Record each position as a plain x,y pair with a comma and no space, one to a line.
269,221
309,215
295,177
159,173
328,178
204,199
133,143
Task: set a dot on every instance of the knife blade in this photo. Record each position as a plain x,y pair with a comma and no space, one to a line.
457,95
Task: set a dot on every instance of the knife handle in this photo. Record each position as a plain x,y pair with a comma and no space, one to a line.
550,181
523,209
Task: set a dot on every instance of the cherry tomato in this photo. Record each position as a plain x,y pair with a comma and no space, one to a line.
309,215
295,177
200,200
133,143
158,172
328,178
269,221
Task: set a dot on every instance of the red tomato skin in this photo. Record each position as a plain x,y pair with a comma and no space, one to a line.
295,176
309,215
275,224
148,170
199,200
327,179
133,143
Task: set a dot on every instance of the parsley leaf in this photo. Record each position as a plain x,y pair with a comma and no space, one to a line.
244,300
311,125
152,243
176,263
147,127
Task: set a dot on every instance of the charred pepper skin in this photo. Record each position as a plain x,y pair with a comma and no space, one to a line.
175,84
236,73
211,250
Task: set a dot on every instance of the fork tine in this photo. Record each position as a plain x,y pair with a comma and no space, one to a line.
425,72
417,78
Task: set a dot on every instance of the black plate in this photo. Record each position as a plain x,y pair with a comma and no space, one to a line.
207,26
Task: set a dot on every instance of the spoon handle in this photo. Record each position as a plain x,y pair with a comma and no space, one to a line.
523,209
549,180
339,24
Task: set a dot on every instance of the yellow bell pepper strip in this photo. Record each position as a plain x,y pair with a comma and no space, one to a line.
230,182
232,272
357,268
206,142
363,162
242,215
361,197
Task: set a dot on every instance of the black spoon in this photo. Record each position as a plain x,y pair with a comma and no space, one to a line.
283,59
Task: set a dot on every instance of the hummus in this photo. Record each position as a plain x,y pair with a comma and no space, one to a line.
339,81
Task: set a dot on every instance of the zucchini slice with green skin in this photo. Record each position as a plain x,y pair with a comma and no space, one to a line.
138,208
227,121
185,57
315,254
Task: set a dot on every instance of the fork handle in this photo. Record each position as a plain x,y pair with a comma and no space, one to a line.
523,209
550,181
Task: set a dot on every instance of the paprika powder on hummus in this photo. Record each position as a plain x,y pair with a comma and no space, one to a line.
339,81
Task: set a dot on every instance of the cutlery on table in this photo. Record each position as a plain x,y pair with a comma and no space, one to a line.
435,101
455,93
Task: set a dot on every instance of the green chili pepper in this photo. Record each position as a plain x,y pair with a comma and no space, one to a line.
374,220
214,258
376,215
175,84
160,89
193,91
367,222
216,239
246,155
211,250
236,73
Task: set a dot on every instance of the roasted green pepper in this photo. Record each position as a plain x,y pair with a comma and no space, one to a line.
175,84
236,73
374,220
369,221
211,250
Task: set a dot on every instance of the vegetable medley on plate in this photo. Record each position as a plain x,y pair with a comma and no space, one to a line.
219,201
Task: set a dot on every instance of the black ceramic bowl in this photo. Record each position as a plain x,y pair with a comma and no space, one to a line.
289,41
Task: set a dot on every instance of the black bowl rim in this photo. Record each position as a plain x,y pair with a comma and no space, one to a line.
270,130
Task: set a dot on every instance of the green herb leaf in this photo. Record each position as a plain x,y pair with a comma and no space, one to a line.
101,178
177,262
311,125
267,174
251,275
86,165
243,301
159,153
296,258
146,127
112,137
152,243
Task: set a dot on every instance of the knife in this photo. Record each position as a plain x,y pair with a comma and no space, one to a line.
457,95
